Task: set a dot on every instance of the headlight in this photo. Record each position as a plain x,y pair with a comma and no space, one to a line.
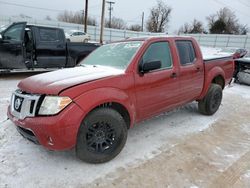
53,104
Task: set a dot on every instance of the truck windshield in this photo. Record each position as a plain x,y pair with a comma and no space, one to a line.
115,55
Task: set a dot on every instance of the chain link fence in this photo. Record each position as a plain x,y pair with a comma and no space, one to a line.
93,31
210,40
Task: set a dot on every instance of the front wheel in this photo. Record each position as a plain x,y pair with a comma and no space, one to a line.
101,136
211,102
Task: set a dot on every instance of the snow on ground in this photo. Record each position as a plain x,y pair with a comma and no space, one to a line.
7,86
24,164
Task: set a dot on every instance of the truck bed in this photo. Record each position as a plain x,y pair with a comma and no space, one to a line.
210,54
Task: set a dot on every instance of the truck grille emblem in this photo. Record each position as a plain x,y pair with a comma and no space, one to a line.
17,103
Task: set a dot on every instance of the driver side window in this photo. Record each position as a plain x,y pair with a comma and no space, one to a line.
159,51
14,33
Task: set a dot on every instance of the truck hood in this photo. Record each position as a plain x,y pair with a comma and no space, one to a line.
52,83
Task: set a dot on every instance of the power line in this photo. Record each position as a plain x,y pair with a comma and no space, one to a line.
224,4
244,3
33,7
58,10
95,6
39,8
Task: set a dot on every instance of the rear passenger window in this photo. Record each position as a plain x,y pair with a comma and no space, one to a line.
186,52
159,51
49,35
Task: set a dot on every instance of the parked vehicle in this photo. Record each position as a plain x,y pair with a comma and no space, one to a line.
31,47
77,36
242,71
92,106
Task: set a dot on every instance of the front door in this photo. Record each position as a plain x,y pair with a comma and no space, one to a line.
11,47
158,90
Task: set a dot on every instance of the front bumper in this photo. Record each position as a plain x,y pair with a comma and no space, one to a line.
57,132
27,134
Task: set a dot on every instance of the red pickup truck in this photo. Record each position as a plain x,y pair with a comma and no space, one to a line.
91,107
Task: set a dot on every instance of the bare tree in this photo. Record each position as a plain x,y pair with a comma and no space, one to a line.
195,27
244,29
77,17
225,22
184,29
116,23
135,27
159,17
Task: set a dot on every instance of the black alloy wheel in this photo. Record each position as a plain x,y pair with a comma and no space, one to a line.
101,136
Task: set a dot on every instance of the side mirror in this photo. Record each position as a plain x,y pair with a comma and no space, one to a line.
150,66
1,37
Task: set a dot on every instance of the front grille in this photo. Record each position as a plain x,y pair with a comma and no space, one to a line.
23,104
32,105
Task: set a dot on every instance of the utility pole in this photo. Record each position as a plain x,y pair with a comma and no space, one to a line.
86,16
82,21
142,22
110,11
102,21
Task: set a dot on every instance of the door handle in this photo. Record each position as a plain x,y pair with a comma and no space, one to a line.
198,69
173,75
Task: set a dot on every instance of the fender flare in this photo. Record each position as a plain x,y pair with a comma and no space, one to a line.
213,73
94,98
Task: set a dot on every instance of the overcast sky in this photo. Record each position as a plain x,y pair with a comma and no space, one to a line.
131,10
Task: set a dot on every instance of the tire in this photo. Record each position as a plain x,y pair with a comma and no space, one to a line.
101,136
211,102
85,40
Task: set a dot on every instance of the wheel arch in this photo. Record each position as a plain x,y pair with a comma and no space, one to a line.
121,109
108,98
219,80
216,76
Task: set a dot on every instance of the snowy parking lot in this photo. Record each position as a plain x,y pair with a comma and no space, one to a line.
181,148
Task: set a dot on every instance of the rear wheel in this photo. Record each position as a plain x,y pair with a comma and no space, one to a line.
101,136
211,102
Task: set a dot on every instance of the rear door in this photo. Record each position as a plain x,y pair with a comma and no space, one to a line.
11,47
50,48
158,90
191,73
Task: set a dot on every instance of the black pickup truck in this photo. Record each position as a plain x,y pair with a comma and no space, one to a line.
32,47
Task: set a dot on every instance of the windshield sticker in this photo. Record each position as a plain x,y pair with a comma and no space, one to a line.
132,45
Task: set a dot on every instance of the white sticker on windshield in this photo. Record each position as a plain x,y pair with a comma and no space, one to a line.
132,45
